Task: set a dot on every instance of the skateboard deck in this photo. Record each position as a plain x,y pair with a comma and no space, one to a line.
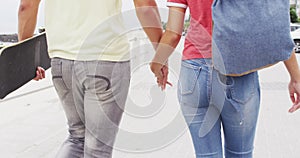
19,62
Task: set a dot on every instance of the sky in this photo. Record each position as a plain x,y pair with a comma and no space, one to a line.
9,12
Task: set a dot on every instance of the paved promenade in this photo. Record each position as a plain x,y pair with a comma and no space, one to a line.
32,122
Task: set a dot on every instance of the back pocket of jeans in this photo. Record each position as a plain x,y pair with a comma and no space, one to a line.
57,78
243,88
189,75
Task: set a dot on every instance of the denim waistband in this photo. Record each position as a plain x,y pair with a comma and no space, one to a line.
199,61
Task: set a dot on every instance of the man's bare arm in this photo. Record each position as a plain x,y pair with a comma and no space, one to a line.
150,20
27,17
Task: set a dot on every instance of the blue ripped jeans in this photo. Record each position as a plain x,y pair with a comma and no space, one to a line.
209,100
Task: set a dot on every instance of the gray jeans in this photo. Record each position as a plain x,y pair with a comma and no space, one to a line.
93,95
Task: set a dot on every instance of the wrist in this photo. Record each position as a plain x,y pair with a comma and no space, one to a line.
295,78
159,59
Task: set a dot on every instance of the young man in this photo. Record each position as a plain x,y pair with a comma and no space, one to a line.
90,69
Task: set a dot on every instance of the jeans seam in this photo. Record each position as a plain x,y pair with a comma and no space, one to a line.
209,86
208,154
244,152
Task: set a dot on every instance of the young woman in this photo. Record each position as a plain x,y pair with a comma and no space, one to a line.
228,92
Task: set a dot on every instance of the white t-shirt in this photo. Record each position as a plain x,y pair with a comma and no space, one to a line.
86,30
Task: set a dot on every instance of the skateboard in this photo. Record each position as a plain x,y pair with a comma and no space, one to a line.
19,61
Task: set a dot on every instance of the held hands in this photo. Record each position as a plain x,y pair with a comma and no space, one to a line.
40,74
161,73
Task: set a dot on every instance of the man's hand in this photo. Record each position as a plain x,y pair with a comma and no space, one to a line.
165,71
161,73
40,74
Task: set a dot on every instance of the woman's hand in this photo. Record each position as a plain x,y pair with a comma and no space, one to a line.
294,90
